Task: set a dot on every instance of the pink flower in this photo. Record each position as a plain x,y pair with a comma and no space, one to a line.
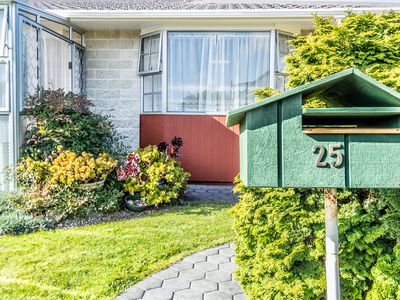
121,174
133,157
132,169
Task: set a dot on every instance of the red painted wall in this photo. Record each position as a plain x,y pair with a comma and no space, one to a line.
210,151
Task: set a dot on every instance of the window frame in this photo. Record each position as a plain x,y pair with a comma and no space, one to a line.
277,52
3,31
143,94
164,60
159,60
21,11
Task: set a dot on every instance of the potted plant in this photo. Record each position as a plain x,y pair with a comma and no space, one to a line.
135,203
155,174
84,171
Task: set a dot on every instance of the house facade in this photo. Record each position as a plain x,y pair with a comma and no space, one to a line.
159,68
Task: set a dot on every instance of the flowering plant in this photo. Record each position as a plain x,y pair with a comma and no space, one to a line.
172,150
153,173
51,187
130,168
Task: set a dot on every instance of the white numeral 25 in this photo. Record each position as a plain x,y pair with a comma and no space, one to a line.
333,151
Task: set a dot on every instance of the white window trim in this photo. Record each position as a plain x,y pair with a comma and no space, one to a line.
159,65
276,72
164,58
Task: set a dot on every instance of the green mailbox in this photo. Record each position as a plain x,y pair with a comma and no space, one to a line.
354,145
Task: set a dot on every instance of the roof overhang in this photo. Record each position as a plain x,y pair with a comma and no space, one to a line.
207,14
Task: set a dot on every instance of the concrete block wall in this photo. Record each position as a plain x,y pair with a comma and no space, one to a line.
112,80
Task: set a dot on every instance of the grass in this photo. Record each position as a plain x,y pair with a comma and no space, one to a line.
101,261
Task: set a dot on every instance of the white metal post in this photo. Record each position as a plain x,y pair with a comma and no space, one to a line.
332,245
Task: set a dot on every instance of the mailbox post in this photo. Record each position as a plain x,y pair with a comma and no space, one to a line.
331,245
353,145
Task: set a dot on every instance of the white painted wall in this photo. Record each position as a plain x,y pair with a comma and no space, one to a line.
112,81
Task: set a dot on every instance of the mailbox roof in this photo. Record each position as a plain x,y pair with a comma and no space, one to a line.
349,88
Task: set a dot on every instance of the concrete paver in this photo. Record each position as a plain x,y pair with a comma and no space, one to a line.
206,275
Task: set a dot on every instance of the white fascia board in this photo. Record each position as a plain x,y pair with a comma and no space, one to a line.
206,14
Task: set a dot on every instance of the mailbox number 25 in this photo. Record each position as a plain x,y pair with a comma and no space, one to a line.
333,151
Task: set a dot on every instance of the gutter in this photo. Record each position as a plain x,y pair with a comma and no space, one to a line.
207,14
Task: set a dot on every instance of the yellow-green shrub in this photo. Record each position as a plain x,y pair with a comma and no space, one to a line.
157,177
280,243
51,188
68,168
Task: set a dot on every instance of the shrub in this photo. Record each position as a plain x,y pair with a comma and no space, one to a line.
13,221
67,202
280,243
69,168
53,188
60,118
369,42
153,173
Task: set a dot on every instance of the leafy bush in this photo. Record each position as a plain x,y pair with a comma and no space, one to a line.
69,168
67,202
265,93
280,243
64,119
13,221
369,42
53,188
153,173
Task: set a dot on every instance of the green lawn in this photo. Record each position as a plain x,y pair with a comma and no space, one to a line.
101,261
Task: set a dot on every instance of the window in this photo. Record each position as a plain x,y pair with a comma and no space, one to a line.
283,49
152,93
56,72
150,50
30,55
52,56
76,37
3,84
215,71
3,31
56,27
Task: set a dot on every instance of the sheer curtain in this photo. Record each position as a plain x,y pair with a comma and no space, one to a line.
56,58
215,71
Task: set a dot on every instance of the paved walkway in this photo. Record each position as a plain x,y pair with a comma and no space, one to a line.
211,193
206,275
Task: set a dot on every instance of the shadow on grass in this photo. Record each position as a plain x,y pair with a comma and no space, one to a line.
200,209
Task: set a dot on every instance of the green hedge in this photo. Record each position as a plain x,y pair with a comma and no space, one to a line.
280,243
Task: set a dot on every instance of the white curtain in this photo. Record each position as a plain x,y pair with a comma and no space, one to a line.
56,58
215,71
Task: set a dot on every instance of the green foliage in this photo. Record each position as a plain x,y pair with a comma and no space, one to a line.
280,243
64,119
13,221
159,179
280,232
265,93
54,188
66,202
369,42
